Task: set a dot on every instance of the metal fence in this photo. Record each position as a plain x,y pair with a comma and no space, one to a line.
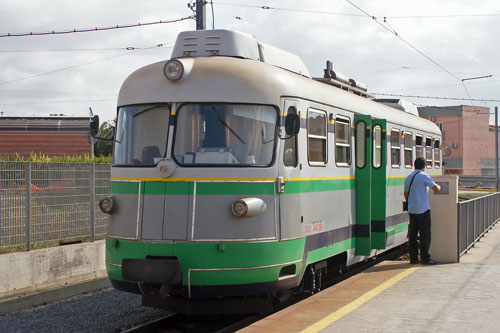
43,202
475,217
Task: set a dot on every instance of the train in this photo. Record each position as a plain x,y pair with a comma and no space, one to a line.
237,178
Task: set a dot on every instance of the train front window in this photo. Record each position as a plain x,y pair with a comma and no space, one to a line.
141,135
225,134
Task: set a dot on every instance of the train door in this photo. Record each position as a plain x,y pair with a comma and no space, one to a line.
370,227
289,168
362,227
379,183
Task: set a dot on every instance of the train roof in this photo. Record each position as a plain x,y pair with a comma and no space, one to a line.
238,79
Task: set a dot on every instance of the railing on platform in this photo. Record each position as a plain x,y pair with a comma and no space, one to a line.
475,217
46,202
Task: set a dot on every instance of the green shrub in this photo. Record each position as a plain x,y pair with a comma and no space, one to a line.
56,159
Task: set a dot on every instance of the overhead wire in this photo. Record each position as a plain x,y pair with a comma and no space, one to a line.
72,31
437,97
5,103
80,65
128,48
54,92
392,31
355,15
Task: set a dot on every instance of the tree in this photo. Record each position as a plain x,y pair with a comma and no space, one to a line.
105,147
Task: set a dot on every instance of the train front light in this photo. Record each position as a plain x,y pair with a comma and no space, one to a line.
173,70
248,207
107,205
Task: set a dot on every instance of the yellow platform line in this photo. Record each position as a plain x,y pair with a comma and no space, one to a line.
334,316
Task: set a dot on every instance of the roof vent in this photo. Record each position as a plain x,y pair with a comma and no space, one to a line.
208,43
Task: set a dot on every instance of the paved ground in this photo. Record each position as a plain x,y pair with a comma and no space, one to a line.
461,297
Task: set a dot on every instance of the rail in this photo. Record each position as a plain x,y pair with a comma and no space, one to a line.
475,218
46,203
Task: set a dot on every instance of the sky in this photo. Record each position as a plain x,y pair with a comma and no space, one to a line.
413,48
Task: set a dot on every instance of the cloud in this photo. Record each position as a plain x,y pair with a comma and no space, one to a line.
357,46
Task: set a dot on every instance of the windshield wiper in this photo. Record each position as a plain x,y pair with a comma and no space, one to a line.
151,108
219,118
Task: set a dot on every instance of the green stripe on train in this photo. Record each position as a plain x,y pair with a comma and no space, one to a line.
244,187
228,188
224,256
395,181
215,256
321,185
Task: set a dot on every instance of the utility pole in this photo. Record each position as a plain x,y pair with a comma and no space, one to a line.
200,14
496,146
92,141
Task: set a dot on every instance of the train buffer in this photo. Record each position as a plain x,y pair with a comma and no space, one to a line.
395,296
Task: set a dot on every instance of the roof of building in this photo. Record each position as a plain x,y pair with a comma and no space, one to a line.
79,124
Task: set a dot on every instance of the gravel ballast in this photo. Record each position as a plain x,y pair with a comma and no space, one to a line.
103,311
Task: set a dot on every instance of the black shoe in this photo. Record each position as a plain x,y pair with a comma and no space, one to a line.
413,262
428,262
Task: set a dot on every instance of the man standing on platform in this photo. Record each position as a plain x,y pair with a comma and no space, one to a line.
417,185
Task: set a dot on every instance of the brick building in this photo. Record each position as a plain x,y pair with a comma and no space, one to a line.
51,136
468,138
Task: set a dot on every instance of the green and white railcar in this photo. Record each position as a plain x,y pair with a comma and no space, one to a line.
211,199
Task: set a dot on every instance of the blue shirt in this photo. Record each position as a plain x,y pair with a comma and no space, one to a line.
418,199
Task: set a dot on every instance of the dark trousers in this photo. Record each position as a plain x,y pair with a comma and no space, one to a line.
420,224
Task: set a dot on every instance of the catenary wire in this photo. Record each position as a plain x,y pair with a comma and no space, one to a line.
54,92
80,65
72,31
391,30
128,48
438,97
356,15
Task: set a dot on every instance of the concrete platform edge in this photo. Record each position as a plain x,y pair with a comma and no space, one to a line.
26,301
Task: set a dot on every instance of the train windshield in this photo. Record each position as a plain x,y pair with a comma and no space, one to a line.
225,134
141,135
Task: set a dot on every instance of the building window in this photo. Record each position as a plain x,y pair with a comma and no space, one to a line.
316,137
419,149
377,146
408,149
360,144
395,148
437,154
428,152
290,150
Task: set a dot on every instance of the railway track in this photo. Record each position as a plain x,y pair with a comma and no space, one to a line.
176,323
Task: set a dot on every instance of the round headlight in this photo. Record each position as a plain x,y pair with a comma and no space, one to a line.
107,205
240,208
173,70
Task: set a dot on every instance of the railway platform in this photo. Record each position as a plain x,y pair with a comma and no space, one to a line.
398,297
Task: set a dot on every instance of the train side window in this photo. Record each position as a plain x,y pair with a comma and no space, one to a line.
395,148
437,153
419,149
377,146
428,152
316,137
360,144
290,150
342,142
408,138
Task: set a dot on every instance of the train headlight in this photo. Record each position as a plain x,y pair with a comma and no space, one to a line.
248,207
173,70
107,205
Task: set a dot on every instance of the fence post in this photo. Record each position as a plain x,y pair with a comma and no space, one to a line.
28,207
92,202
